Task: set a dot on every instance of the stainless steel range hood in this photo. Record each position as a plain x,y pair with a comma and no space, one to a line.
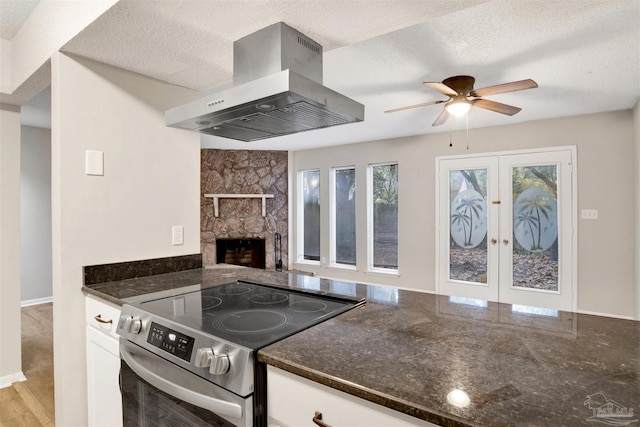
277,90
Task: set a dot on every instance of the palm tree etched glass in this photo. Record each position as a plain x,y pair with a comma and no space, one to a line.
535,227
468,225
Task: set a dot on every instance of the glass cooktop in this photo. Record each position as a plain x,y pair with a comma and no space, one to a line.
247,314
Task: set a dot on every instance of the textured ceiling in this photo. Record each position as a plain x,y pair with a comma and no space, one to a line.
190,43
13,13
584,54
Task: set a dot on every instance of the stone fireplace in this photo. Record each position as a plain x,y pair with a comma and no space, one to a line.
239,172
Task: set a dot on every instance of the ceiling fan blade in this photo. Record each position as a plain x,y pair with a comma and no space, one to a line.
498,107
505,87
424,104
441,87
443,117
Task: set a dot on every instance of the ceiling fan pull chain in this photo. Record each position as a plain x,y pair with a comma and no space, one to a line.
450,134
467,117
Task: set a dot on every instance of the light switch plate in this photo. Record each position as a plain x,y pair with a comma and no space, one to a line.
589,214
94,162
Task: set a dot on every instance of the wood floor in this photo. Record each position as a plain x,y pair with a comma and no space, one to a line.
30,403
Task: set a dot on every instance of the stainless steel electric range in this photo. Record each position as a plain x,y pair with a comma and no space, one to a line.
190,359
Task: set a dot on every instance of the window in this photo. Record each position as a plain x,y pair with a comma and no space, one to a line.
309,220
382,214
343,217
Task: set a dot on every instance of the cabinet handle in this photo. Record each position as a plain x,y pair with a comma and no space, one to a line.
99,319
317,420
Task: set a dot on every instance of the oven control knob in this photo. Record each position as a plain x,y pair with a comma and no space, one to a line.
130,325
219,364
125,322
203,357
135,326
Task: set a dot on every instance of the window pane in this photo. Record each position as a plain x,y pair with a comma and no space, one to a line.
468,225
385,216
535,227
345,216
311,214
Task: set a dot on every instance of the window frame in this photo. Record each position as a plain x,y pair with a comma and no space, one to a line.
370,223
333,220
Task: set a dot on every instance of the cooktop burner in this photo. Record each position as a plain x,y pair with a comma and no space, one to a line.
251,321
247,314
210,302
269,298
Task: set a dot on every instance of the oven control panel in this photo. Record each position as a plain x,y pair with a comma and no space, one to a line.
225,364
173,342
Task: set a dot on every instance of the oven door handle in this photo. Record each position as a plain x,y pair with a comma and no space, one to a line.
209,403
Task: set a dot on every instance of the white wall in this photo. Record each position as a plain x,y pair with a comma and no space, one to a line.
151,182
35,215
10,350
605,182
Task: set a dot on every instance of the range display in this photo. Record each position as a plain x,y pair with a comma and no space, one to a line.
170,341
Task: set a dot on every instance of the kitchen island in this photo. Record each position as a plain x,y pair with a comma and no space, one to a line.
506,365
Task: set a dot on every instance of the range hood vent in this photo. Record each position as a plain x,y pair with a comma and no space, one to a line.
277,90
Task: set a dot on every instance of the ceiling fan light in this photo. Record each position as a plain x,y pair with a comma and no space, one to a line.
458,107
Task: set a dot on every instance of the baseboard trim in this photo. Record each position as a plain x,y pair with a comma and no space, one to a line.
36,301
615,316
7,380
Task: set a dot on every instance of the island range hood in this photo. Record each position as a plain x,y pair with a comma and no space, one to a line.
277,90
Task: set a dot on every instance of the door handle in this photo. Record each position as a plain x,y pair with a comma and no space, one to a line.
494,240
99,319
317,420
505,241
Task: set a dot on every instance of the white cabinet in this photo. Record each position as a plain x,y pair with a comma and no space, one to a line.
103,364
292,401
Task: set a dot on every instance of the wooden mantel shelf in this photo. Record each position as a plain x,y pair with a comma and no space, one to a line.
217,197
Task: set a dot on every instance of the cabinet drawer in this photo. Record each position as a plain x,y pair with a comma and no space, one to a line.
292,401
102,315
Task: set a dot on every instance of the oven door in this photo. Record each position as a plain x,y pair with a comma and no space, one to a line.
156,392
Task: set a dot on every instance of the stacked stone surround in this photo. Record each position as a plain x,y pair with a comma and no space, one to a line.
244,172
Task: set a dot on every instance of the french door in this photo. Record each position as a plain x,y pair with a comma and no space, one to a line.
505,228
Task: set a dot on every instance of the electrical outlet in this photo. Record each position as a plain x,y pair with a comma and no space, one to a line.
589,214
177,235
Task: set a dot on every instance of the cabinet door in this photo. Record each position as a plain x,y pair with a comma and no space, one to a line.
292,401
104,402
103,370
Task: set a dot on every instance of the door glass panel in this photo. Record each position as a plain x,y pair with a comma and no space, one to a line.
535,227
468,225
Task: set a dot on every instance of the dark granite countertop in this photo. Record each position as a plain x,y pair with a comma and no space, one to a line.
408,350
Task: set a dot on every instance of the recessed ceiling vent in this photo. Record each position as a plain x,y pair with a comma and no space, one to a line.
277,90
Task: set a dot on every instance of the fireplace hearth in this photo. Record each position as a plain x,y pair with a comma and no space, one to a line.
244,252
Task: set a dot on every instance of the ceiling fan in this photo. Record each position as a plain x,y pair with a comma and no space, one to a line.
462,96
